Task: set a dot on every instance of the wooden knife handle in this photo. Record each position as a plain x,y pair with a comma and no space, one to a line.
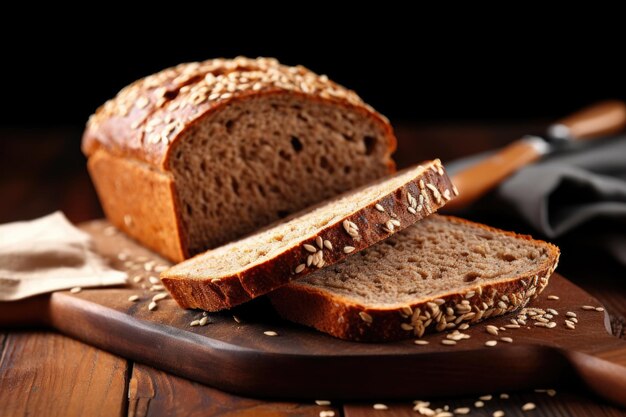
603,370
601,119
475,181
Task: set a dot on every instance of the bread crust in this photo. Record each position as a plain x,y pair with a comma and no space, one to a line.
145,122
259,279
342,318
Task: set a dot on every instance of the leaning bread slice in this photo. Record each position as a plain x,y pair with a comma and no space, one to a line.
323,235
433,276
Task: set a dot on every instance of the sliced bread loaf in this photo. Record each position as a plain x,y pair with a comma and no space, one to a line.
323,235
204,153
432,276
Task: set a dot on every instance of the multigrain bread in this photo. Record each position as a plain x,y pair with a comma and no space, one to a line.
432,276
321,236
203,153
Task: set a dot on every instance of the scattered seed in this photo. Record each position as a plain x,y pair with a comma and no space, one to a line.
588,308
528,407
390,226
486,397
380,407
154,280
309,248
270,333
380,208
421,342
406,326
133,298
300,268
157,288
328,245
152,306
195,323
570,314
348,249
491,343
570,325
507,339
553,297
504,396
462,410
463,326
137,279
498,413
365,317
160,268
599,309
448,342
551,325
237,319
552,311
551,392
493,330
76,290
395,222
320,242
204,320
479,404
159,297
322,402
327,413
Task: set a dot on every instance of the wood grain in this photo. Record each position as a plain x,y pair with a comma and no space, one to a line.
154,393
44,373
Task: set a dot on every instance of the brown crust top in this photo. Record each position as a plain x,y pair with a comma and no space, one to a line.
342,318
147,117
372,226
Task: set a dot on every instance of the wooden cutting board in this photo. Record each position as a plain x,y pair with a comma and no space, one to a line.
237,356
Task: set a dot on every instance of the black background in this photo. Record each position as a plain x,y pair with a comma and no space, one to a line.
418,68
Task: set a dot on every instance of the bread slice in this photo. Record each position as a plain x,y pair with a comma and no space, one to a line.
432,276
204,153
323,235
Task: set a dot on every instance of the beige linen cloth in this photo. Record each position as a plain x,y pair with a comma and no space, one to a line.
49,254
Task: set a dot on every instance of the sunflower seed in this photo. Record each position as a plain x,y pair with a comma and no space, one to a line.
159,297
365,317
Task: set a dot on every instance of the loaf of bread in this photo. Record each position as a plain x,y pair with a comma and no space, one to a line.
433,276
204,153
307,241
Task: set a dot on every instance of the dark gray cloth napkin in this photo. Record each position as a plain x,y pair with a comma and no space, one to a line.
571,194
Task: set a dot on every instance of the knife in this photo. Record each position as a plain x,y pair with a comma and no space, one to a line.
596,121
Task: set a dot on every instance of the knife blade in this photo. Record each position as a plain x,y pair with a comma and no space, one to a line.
596,121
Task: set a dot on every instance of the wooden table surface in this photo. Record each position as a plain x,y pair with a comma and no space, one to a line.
46,374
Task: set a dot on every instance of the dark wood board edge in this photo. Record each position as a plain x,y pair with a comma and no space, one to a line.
239,370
